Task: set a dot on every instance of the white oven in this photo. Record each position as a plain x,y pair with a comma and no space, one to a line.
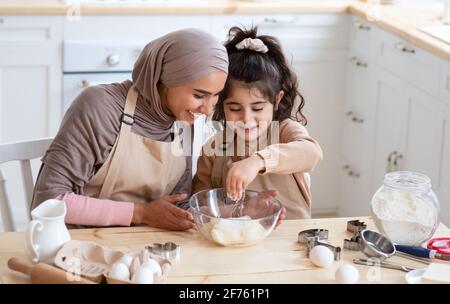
75,83
88,63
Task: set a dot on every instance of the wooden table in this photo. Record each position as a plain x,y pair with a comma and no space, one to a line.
278,259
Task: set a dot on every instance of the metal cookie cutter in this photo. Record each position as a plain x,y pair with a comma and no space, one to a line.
313,237
355,226
169,251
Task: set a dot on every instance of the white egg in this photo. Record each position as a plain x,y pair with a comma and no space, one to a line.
321,256
119,271
143,275
346,274
153,265
126,259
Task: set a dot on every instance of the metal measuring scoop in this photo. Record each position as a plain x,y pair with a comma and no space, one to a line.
376,245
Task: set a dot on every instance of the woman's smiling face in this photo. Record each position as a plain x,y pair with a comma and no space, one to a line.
249,111
196,97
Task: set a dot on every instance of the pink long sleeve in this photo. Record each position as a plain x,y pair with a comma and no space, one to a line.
84,210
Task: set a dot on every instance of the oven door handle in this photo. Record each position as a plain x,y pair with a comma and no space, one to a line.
84,83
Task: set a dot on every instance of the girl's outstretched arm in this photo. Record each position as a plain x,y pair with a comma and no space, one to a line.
296,151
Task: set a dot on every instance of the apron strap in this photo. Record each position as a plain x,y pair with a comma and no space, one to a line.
122,147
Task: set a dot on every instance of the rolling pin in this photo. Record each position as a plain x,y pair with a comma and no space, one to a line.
43,273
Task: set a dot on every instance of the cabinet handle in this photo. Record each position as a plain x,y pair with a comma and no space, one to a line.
2,21
268,20
354,118
448,83
353,174
400,46
350,172
358,25
389,161
358,63
395,161
357,120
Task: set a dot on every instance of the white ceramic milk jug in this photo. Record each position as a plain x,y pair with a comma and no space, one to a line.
47,231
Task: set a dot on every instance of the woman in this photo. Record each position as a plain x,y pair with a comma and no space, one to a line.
112,160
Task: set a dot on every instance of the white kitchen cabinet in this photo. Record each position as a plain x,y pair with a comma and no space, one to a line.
423,133
399,84
442,183
360,34
322,86
407,61
30,76
297,31
30,89
130,28
356,114
407,129
389,125
444,93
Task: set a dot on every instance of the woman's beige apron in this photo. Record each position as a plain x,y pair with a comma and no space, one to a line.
138,169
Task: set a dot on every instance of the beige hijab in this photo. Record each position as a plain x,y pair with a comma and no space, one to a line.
175,59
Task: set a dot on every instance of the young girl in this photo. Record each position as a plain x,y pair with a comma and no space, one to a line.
264,145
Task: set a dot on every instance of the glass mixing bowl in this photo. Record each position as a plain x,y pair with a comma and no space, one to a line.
235,224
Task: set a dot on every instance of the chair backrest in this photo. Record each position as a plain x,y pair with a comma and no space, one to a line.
22,151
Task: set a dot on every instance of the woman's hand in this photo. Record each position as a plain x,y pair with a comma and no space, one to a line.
162,213
282,216
242,174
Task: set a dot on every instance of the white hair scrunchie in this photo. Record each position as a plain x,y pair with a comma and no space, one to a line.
252,44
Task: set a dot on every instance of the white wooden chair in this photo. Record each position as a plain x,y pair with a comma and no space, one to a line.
22,151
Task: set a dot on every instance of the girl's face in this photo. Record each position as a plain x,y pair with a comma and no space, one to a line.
200,96
249,111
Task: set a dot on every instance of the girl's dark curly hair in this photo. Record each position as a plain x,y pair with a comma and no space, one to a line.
268,72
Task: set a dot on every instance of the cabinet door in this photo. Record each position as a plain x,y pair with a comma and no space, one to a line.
444,93
423,133
354,197
30,95
442,184
30,91
389,123
322,86
298,31
354,176
30,76
357,108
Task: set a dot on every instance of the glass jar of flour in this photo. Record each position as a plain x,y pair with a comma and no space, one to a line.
405,208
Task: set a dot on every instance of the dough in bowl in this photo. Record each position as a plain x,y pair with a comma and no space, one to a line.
238,231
